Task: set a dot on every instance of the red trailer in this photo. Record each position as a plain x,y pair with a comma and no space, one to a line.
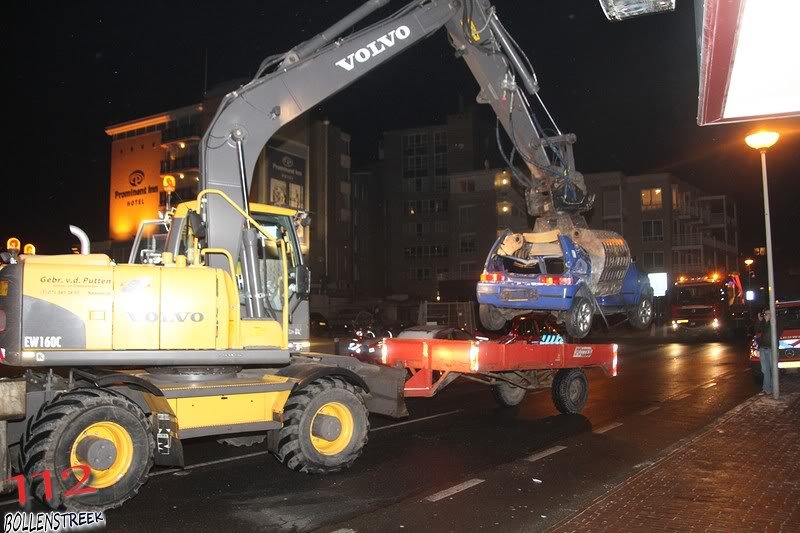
511,365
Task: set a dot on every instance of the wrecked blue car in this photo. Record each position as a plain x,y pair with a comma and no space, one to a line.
569,271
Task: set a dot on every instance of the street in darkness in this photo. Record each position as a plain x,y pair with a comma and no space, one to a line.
460,463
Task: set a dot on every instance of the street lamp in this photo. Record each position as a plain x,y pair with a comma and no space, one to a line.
761,141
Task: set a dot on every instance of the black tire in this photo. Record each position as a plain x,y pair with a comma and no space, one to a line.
48,442
508,395
491,318
295,443
641,315
570,390
579,318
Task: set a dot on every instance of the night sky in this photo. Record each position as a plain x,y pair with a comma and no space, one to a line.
628,90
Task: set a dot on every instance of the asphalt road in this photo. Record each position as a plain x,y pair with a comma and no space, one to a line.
460,463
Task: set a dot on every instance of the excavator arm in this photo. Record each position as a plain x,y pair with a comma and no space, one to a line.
287,85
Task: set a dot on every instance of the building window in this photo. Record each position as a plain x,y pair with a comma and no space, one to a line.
441,184
419,273
440,164
651,199
466,214
652,231
466,185
466,243
651,260
468,267
611,203
677,199
441,226
613,225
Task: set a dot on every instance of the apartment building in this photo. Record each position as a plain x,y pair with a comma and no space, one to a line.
670,225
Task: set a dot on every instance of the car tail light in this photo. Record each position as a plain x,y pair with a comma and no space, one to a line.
614,361
492,277
555,280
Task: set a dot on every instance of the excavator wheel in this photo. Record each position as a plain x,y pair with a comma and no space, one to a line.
325,427
96,445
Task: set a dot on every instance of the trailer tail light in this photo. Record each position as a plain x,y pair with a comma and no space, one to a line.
492,277
474,357
614,361
384,353
555,280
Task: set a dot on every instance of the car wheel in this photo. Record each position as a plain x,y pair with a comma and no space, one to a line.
579,317
641,316
491,318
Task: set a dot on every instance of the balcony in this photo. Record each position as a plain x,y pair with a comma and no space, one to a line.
688,269
457,276
719,219
186,164
698,240
186,133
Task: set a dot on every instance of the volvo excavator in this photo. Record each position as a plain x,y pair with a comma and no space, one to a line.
123,363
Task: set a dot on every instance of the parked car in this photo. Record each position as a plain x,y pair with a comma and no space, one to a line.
789,339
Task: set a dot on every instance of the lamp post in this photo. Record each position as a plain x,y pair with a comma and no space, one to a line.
761,141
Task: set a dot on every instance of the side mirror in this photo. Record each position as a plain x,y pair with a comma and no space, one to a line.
196,225
302,280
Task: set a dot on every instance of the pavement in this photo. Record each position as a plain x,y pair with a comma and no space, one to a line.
742,473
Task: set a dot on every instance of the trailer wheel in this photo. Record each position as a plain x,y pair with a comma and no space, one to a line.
491,318
325,427
641,315
507,395
93,428
578,320
570,390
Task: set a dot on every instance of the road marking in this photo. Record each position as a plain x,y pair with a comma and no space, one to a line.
208,463
545,453
709,385
608,427
682,396
649,410
256,454
454,490
415,420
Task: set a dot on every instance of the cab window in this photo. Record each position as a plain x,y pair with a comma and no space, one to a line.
150,242
270,267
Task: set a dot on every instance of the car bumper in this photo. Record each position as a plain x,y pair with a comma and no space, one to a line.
524,296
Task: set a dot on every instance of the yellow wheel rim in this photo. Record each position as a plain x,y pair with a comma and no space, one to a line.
123,443
345,418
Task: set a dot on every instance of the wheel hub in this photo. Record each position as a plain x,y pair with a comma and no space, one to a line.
332,428
97,452
107,449
326,427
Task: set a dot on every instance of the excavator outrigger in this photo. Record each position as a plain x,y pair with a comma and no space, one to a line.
124,362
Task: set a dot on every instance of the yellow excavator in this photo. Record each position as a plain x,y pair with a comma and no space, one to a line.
124,362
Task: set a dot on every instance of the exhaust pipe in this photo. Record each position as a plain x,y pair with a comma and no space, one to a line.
81,235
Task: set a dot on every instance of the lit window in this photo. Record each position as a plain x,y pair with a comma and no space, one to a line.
651,199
